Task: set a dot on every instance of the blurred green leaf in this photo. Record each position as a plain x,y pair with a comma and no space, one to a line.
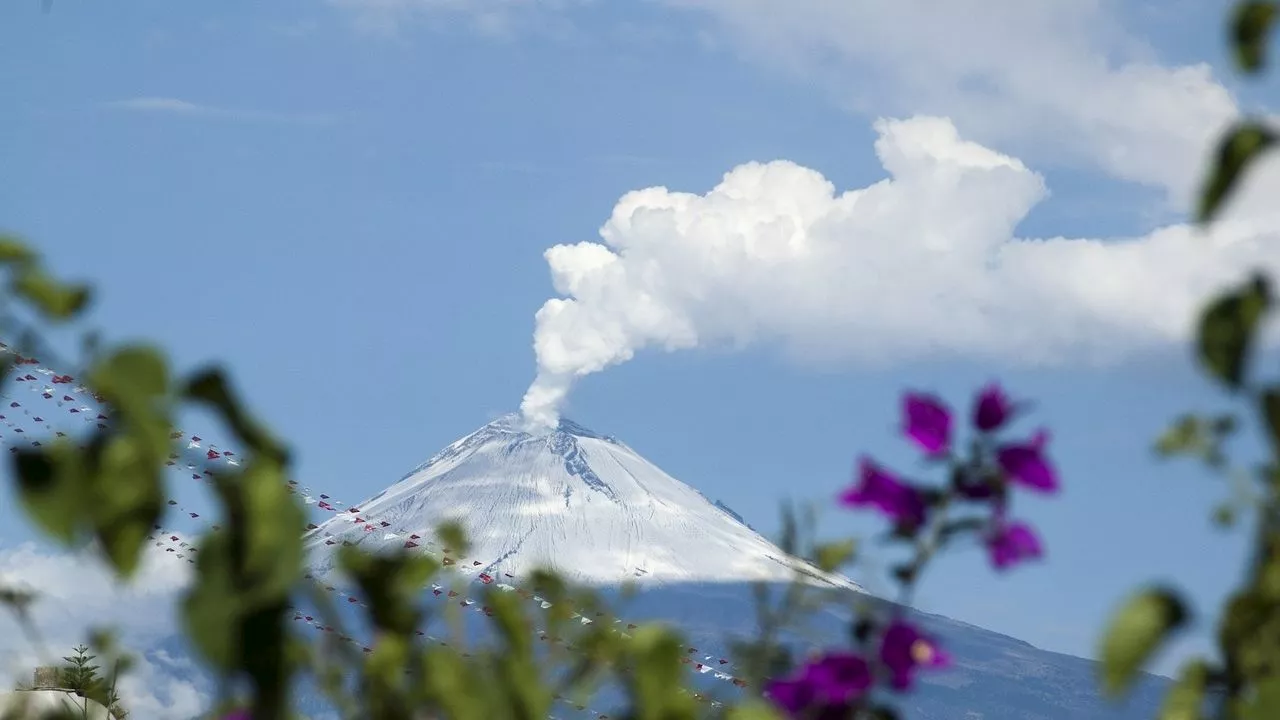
51,489
1134,633
1264,703
1270,405
452,685
1251,23
1227,328
1237,151
13,250
274,523
391,584
754,709
1185,436
55,300
127,499
832,556
132,371
210,387
452,536
1185,700
211,607
1224,515
519,670
654,655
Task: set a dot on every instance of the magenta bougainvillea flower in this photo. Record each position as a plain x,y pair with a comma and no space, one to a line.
1025,464
903,649
824,687
927,422
992,408
879,488
1011,543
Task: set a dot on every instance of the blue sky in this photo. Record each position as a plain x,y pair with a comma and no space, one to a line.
351,211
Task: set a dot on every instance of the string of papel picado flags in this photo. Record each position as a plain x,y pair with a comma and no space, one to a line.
212,455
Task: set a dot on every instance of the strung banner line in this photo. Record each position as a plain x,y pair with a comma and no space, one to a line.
213,454
212,457
173,543
325,502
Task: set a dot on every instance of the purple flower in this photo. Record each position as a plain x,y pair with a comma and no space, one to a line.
879,488
904,648
826,685
795,695
927,422
1011,543
839,677
992,409
238,715
1025,464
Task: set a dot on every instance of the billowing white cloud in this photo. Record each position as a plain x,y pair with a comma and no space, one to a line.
76,594
1054,80
923,264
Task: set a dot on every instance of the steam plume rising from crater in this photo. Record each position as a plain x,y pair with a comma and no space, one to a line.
924,263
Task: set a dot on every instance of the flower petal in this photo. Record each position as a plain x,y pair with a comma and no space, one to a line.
992,409
1026,465
1013,543
927,422
879,488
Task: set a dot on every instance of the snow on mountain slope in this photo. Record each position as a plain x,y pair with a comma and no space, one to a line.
571,499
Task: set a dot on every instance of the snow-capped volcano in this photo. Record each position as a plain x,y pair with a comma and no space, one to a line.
570,499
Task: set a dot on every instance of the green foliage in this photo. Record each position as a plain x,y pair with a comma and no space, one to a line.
1134,634
110,490
1186,699
1237,152
1227,330
1251,23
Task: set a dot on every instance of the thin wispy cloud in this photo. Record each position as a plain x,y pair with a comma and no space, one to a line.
176,106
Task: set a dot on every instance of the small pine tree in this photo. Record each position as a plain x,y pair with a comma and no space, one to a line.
80,674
